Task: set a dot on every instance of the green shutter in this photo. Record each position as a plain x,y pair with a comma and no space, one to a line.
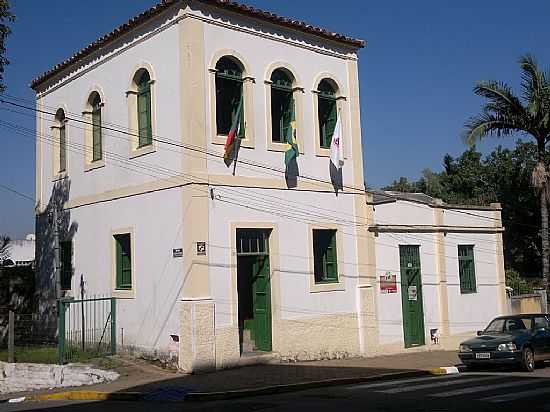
62,149
325,256
123,261
327,119
144,113
66,259
466,269
96,134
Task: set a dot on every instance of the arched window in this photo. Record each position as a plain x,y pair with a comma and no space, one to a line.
145,129
62,157
229,96
327,111
97,143
282,105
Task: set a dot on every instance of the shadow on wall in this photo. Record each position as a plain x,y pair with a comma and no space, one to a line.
45,254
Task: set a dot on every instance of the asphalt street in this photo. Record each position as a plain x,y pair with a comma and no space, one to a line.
481,391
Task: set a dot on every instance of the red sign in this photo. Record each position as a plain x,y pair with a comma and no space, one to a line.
388,283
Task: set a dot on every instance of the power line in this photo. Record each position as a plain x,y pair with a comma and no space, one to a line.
10,189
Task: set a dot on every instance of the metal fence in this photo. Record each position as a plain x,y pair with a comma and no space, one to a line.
87,328
26,337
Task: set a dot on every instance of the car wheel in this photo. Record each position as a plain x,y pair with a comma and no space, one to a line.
528,360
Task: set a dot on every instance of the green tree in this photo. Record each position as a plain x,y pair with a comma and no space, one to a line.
505,114
5,17
403,185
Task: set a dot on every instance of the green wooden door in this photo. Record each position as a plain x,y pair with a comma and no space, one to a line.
411,295
261,292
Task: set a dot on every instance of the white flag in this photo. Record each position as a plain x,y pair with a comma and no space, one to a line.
337,146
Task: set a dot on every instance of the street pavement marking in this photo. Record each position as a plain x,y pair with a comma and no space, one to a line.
475,389
398,382
517,395
468,380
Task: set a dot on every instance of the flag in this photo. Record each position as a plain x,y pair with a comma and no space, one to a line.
292,151
337,146
231,146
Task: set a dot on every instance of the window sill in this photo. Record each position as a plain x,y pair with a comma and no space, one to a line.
59,176
97,164
124,293
468,292
277,147
141,151
326,287
221,139
322,152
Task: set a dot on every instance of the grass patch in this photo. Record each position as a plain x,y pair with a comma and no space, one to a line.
39,354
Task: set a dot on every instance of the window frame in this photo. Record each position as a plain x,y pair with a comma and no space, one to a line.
144,107
285,94
467,286
337,281
233,80
247,93
97,133
324,97
140,147
123,291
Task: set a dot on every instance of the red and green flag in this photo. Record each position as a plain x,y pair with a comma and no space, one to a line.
232,144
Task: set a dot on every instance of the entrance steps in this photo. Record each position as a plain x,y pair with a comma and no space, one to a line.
258,358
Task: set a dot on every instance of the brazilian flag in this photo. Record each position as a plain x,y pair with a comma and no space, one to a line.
292,152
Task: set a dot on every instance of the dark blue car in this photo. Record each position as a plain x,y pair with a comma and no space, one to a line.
516,340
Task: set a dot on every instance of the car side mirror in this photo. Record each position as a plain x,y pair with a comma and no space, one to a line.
479,332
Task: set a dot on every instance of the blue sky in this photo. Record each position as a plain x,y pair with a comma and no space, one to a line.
416,72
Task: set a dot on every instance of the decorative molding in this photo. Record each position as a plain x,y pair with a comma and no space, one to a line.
434,229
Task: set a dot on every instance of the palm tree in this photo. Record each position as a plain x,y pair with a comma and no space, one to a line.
504,114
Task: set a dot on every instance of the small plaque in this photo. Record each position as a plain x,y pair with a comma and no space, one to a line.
388,283
177,253
413,293
201,248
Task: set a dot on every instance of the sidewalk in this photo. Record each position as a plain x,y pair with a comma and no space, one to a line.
146,381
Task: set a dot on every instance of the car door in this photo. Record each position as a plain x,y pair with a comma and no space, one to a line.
541,337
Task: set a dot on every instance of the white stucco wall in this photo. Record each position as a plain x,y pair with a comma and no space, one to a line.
151,316
292,276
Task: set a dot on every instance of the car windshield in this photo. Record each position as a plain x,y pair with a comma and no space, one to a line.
509,325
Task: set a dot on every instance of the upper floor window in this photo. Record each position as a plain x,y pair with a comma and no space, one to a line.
327,111
282,105
97,144
145,129
229,95
62,141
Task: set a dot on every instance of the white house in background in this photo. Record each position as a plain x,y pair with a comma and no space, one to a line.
440,269
21,252
230,260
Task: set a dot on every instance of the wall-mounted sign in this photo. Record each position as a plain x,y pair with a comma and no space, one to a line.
177,253
201,248
388,283
413,293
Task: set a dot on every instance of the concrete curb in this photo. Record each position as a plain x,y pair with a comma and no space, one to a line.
278,389
243,393
88,396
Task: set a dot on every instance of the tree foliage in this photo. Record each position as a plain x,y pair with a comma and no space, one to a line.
6,17
502,176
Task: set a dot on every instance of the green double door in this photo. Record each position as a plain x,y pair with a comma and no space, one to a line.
411,296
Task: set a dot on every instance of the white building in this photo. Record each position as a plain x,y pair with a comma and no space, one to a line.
230,260
21,252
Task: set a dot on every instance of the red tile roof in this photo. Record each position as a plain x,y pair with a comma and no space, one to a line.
226,4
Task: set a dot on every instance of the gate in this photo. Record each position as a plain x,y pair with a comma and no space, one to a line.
87,328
